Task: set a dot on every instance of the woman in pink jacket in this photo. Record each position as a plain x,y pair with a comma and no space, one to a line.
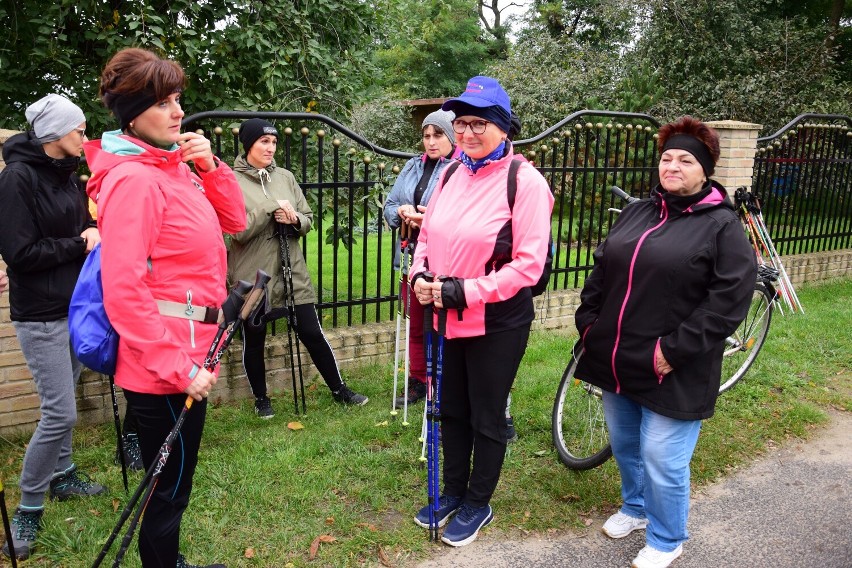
162,249
487,253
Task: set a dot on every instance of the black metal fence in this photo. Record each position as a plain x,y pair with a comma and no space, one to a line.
346,179
803,176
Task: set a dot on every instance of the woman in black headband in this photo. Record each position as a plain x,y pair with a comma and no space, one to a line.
672,280
163,267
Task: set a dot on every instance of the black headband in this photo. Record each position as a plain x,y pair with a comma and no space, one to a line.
695,147
129,106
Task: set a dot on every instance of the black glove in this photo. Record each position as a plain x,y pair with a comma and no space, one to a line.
452,293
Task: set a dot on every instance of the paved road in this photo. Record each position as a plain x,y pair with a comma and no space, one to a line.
790,509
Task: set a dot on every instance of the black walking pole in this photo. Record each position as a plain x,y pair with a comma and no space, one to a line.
6,527
290,304
119,442
235,311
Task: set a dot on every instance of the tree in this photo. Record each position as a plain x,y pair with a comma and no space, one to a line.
741,59
275,54
433,48
605,24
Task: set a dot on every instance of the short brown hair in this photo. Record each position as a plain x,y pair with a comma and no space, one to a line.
691,127
134,70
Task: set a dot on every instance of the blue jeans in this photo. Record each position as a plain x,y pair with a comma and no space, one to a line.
653,454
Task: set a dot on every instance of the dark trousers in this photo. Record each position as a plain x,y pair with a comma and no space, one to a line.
159,535
477,376
312,337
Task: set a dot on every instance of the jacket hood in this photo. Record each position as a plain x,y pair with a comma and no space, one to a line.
711,196
25,147
241,165
115,148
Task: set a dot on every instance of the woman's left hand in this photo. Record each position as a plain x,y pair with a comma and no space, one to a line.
92,237
428,292
196,148
286,213
660,362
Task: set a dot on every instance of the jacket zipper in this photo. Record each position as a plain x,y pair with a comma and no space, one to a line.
664,215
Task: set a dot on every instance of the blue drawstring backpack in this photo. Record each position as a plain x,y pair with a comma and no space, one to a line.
93,339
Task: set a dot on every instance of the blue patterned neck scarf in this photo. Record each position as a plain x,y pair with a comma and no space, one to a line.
474,165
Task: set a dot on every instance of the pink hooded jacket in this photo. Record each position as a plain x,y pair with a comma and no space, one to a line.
464,235
161,228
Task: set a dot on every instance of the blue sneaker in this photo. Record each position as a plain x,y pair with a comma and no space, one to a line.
464,528
447,506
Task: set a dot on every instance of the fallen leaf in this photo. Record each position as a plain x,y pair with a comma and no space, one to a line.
315,544
383,558
368,526
249,553
95,512
115,505
541,452
329,520
295,426
587,522
526,514
382,423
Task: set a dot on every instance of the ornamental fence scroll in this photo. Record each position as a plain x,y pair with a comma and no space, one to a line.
346,180
803,177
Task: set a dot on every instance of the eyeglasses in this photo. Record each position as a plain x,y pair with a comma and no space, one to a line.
476,126
81,132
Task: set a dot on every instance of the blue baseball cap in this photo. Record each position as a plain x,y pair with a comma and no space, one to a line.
481,92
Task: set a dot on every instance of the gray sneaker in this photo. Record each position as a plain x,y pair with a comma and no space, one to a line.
74,484
25,526
263,407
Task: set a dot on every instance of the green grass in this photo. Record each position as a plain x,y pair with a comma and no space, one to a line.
353,473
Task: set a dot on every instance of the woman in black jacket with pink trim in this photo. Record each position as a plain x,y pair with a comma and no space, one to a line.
672,280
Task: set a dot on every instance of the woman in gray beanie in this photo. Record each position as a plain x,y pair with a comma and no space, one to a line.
45,235
405,205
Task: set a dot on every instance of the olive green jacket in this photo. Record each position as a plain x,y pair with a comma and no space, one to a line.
259,246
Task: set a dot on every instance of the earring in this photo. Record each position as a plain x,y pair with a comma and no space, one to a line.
133,125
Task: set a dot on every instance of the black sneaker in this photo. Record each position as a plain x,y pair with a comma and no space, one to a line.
263,407
416,393
350,397
25,526
74,484
182,563
511,433
132,453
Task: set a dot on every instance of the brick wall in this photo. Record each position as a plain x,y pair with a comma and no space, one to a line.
352,346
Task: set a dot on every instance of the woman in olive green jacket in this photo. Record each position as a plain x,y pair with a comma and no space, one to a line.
275,202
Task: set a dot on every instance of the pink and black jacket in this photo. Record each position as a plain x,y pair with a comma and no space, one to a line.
677,272
494,253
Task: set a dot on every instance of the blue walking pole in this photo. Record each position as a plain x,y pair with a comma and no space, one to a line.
431,431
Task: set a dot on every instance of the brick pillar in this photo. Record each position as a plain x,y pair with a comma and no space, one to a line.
737,146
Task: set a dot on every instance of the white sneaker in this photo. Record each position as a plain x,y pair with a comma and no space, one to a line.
650,557
620,525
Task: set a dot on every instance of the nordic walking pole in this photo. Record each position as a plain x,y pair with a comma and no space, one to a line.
118,438
408,253
7,527
403,296
431,416
292,322
234,312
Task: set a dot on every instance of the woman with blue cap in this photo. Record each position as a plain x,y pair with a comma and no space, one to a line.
487,248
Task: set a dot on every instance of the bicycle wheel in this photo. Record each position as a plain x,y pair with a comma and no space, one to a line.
578,425
743,346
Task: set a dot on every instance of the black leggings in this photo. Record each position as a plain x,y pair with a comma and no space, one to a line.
312,337
478,373
159,534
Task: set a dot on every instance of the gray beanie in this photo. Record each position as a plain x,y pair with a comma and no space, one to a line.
443,119
53,116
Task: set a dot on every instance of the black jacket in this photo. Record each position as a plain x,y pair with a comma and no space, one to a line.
45,252
677,271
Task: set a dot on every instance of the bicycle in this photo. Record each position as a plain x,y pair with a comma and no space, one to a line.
578,426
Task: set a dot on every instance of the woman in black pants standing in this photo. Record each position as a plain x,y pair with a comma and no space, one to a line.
275,202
